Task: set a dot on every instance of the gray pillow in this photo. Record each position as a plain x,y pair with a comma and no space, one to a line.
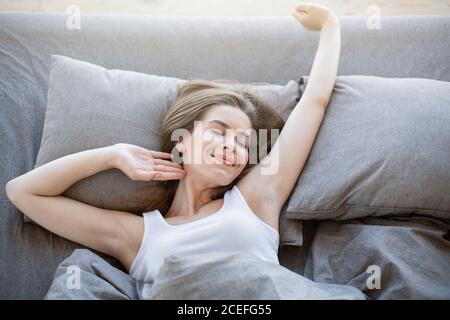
236,276
90,107
383,149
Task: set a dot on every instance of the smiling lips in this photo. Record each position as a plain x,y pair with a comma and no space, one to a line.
223,160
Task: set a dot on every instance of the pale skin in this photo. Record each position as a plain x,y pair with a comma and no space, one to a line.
37,193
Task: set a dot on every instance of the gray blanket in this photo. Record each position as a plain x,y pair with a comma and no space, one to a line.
85,275
382,258
207,276
410,256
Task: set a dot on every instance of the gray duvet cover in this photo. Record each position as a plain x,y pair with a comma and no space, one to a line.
206,276
374,258
410,256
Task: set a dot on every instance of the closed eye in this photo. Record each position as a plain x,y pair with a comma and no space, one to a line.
243,144
217,131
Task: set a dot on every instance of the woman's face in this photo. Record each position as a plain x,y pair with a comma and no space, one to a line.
224,132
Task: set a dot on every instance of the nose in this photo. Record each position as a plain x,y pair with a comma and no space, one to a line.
230,142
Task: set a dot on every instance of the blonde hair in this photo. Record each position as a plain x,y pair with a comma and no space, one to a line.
194,98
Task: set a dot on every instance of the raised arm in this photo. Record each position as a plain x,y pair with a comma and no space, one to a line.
325,66
267,193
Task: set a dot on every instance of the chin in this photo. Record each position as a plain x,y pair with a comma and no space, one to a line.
221,179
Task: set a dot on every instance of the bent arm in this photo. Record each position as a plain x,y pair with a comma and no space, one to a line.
53,178
37,194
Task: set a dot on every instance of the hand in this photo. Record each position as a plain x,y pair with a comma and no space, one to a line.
140,164
313,16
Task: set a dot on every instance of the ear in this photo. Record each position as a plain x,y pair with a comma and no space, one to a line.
180,147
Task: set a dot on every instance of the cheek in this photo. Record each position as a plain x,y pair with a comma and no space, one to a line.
242,157
210,142
204,149
206,143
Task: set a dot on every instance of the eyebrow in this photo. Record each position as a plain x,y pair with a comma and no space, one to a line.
226,125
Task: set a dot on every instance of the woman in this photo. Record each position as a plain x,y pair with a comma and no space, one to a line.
196,218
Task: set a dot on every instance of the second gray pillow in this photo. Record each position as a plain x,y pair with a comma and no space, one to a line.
383,149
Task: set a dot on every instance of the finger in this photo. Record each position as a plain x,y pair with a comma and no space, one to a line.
161,154
143,175
163,168
167,163
168,176
146,175
301,7
298,14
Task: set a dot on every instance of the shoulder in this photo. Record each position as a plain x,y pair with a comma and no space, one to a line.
262,200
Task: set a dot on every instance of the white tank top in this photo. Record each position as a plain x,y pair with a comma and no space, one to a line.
234,227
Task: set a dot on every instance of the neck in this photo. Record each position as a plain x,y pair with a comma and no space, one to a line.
189,197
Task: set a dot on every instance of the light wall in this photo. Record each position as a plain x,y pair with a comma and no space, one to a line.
230,7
